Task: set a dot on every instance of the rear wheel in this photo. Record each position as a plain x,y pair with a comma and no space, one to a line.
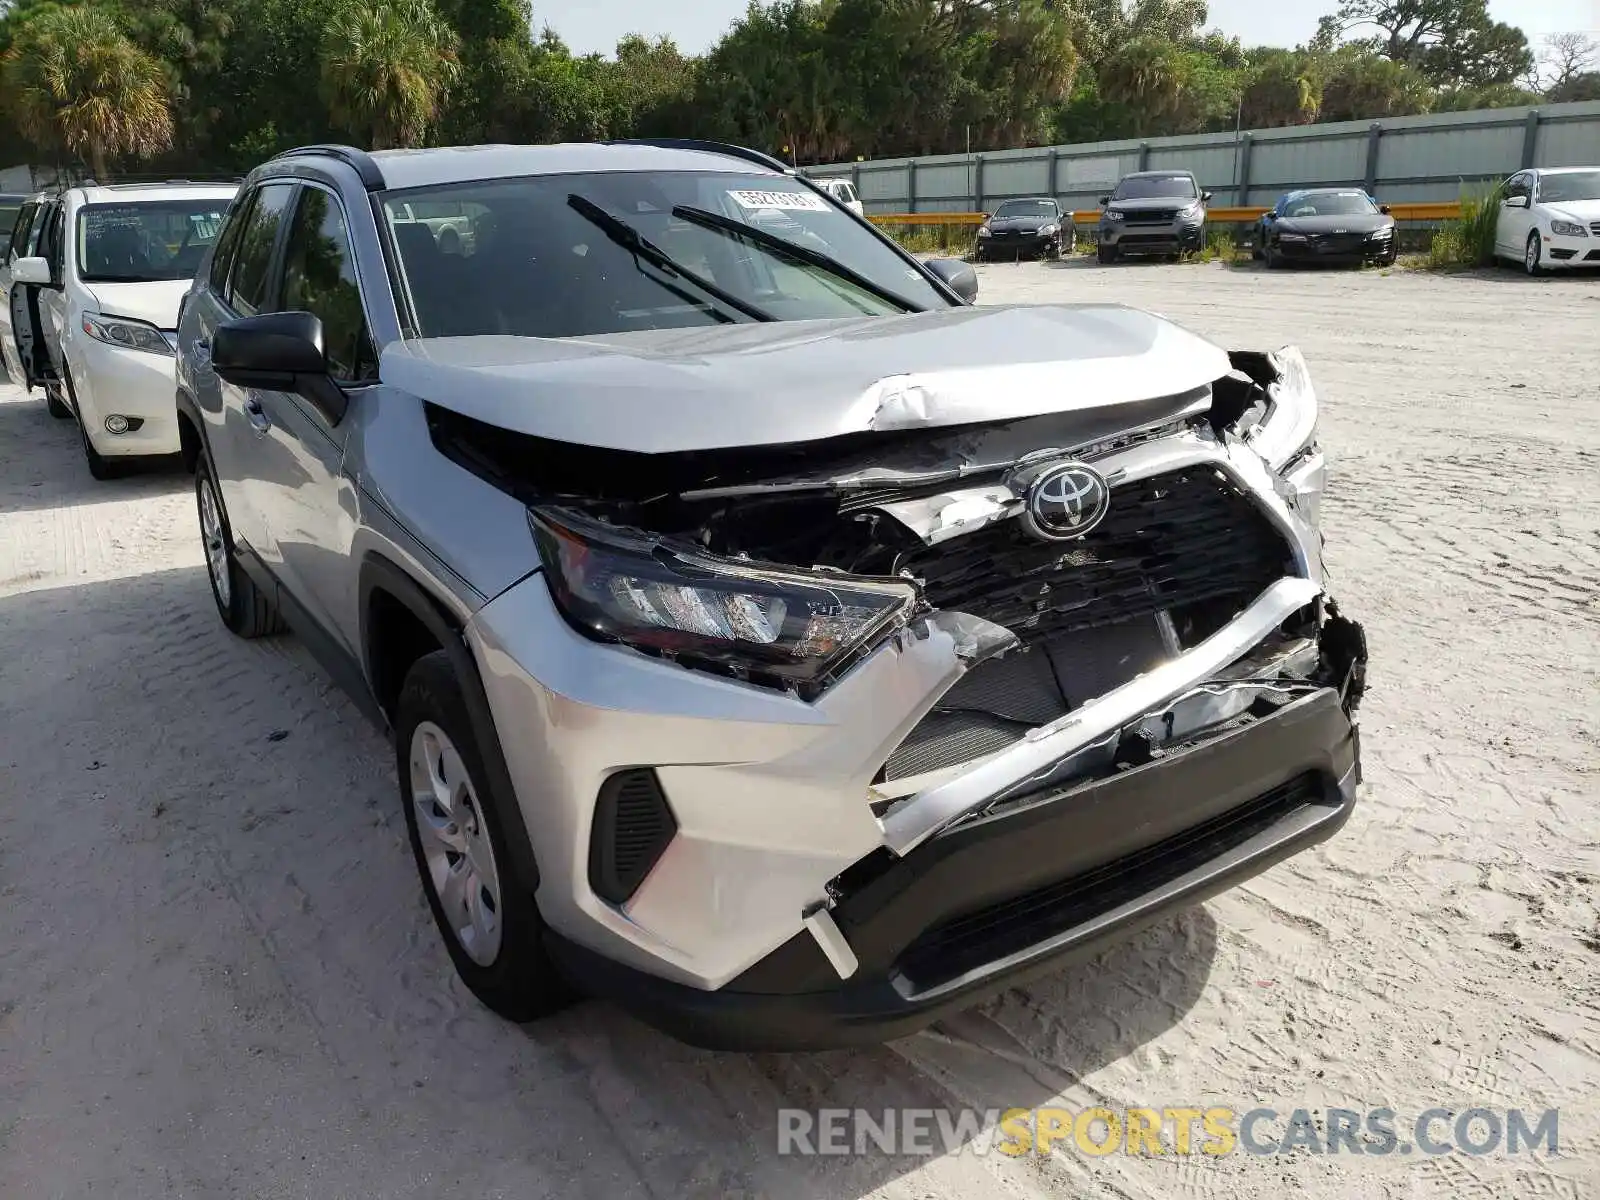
459,837
244,608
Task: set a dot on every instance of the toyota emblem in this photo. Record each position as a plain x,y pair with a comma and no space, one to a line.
1066,501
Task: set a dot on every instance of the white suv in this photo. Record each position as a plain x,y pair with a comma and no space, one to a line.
93,280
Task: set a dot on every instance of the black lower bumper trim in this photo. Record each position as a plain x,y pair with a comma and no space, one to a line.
995,902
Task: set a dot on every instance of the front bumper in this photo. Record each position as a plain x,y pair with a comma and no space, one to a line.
1151,239
992,903
137,385
1020,246
1563,250
1334,253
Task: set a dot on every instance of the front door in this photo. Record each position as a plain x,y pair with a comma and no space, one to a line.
307,504
15,249
1516,216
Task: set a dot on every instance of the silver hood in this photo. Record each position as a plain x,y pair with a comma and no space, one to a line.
708,388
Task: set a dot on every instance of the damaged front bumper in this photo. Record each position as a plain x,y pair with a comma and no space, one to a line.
803,899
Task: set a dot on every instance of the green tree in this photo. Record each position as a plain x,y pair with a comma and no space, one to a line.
386,67
1451,41
1281,87
73,82
1360,85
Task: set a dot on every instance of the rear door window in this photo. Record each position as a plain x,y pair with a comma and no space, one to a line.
249,289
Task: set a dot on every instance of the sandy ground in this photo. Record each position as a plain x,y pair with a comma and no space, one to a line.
218,976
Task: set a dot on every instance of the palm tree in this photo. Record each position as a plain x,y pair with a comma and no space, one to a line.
386,66
73,82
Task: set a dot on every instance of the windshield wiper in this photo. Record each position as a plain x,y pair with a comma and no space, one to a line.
805,254
631,240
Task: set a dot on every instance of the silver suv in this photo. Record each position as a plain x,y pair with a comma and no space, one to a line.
771,640
1153,212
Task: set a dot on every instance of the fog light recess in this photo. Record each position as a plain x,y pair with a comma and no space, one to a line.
117,423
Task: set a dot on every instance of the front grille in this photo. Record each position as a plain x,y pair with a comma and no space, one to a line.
632,828
1594,228
1173,542
1153,216
1338,243
1009,926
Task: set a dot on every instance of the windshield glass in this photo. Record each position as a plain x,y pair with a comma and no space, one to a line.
146,240
1026,208
522,257
1576,185
1330,204
1156,187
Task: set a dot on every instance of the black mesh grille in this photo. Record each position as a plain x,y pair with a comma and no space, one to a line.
632,828
1150,216
1006,927
1167,543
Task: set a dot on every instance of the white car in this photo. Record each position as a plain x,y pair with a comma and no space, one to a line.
93,280
1549,218
844,192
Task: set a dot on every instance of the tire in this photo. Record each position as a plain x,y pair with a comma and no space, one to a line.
55,405
100,467
1272,260
1106,254
1532,253
244,608
490,923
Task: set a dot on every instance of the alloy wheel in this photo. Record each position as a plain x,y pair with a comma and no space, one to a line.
455,843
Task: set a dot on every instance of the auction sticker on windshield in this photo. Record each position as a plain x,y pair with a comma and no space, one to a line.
798,201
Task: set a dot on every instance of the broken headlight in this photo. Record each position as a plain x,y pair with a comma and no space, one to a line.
1290,424
770,625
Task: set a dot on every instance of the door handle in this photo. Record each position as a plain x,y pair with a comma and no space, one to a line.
259,420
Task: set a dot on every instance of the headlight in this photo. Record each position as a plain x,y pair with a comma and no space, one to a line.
1568,229
1048,230
1291,237
1377,235
774,626
1290,424
1112,214
130,335
1190,213
983,231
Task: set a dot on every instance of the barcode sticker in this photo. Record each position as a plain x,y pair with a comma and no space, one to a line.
795,201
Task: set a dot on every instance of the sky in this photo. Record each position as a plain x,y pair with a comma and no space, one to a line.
596,25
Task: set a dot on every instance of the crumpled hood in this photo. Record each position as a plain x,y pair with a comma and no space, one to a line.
770,383
155,303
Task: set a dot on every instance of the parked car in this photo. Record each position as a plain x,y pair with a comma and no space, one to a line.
1550,219
1153,212
1326,225
1035,227
844,192
771,640
94,303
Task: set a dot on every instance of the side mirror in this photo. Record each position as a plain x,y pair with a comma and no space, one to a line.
1104,200
963,280
279,352
1516,202
32,270
1269,215
1384,209
1205,197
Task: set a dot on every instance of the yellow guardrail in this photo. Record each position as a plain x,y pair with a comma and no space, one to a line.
1441,211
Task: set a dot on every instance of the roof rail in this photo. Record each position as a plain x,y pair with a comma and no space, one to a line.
364,164
708,147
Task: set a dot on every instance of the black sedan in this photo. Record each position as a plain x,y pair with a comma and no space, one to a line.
1026,229
1327,225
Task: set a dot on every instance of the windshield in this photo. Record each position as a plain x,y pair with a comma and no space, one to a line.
146,240
1156,187
1025,208
1574,185
522,257
1329,204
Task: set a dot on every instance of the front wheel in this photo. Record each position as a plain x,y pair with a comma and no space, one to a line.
485,912
1531,254
1106,254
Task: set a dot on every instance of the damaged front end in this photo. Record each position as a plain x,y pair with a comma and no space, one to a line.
996,619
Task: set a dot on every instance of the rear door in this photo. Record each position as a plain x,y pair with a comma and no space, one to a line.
234,428
15,248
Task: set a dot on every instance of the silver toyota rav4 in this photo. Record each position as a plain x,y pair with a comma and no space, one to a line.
771,640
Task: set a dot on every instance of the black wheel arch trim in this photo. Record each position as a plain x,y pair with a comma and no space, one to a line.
378,573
